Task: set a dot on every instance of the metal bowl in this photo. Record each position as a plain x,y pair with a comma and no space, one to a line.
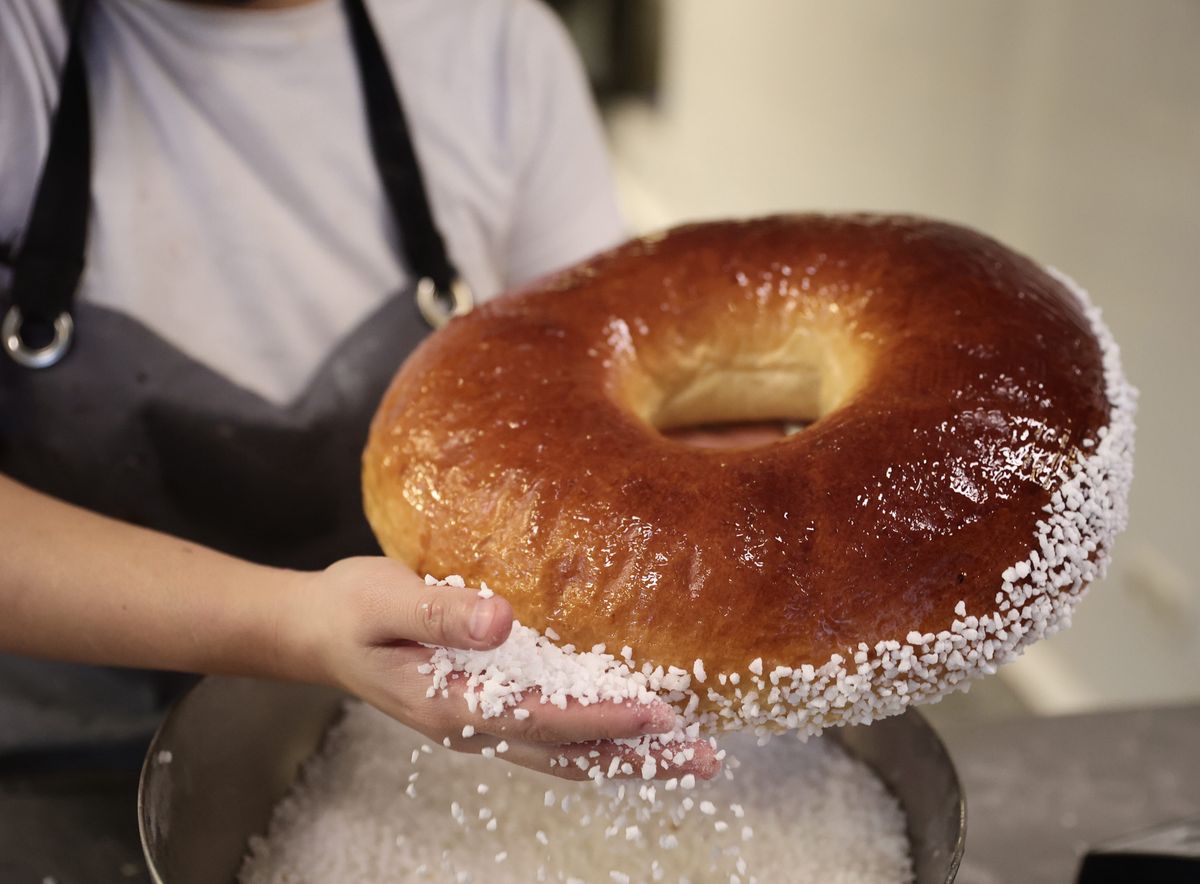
235,746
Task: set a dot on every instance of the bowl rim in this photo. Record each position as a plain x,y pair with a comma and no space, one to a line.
149,763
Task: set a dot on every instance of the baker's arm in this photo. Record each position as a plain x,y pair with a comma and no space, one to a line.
78,586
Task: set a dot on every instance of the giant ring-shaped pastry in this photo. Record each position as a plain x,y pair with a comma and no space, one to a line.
963,470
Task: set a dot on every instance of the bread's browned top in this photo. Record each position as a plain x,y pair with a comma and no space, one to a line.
513,446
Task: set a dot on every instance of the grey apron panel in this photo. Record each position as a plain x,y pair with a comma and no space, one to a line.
129,426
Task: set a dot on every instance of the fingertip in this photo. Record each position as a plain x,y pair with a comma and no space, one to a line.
705,764
502,623
490,622
658,718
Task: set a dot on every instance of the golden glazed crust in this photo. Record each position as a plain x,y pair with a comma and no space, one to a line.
950,383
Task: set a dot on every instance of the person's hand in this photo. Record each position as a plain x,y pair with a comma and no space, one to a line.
367,619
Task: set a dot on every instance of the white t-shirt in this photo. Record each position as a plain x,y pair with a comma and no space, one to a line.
236,208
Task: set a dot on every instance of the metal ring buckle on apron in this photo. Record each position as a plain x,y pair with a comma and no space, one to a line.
438,307
35,357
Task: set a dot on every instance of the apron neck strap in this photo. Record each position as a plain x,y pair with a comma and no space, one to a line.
440,292
37,328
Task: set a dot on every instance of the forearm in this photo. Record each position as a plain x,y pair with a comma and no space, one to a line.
78,586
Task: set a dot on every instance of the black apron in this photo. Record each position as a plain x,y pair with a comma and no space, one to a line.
97,410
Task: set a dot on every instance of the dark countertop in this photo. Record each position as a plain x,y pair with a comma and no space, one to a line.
1039,791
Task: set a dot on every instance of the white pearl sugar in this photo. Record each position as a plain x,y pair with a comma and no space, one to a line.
347,819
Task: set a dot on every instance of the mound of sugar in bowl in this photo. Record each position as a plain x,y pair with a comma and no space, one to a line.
379,804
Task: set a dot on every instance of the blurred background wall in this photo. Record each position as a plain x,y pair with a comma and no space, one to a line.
1069,129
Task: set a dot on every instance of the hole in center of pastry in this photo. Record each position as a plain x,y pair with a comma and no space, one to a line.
739,434
737,388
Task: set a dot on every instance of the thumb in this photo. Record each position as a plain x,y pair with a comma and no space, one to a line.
452,617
